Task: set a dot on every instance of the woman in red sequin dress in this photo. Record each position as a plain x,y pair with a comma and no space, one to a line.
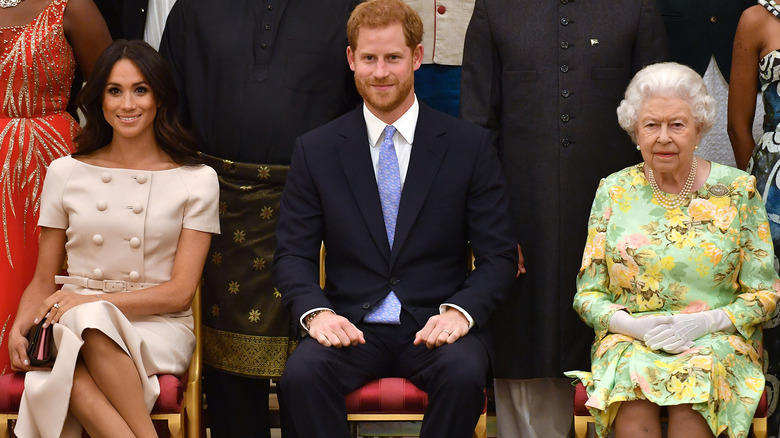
42,41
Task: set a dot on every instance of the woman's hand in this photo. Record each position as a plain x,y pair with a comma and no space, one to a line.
685,328
58,303
17,348
625,324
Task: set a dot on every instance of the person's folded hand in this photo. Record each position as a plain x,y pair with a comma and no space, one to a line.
625,324
666,338
686,328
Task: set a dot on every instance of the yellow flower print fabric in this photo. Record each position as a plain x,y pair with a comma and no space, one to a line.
715,252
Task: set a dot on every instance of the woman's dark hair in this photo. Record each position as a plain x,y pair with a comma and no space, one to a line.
171,136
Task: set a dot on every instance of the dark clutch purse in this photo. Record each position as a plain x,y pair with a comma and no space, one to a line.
41,345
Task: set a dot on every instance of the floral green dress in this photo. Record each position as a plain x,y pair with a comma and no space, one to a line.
713,253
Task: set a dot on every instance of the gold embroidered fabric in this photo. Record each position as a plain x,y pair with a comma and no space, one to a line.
36,71
248,355
247,329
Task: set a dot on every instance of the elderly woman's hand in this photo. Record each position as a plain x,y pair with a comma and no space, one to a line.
623,323
53,307
686,328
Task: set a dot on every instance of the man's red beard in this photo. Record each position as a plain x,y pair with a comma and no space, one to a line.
388,101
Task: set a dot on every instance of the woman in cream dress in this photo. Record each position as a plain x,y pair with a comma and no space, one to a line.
133,210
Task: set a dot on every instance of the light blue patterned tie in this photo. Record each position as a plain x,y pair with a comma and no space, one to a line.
389,181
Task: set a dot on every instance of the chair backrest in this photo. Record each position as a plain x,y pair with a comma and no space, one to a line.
322,265
196,364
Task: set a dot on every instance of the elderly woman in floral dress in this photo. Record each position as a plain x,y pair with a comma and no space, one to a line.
677,275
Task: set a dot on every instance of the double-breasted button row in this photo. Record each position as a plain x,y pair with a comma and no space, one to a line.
106,177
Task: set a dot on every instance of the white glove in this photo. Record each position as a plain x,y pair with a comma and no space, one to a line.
625,324
686,328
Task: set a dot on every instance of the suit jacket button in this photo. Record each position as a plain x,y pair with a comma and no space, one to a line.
394,281
366,305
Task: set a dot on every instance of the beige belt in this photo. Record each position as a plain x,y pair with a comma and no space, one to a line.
104,285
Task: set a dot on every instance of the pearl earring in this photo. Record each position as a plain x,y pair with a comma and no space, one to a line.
638,148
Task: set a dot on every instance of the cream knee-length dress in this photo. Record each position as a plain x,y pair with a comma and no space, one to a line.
121,225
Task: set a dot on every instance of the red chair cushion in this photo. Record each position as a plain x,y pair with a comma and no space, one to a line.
11,388
581,396
761,410
391,395
171,392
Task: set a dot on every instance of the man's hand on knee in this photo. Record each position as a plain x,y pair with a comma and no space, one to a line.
332,330
443,329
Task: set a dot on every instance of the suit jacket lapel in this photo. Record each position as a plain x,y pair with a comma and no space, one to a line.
355,158
428,151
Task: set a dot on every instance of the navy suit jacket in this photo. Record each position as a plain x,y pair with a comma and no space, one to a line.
454,193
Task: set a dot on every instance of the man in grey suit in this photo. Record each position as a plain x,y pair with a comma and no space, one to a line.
546,78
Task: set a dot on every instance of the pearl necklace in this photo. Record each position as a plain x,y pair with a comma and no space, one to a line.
673,201
9,3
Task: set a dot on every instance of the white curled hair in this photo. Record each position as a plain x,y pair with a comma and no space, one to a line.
666,79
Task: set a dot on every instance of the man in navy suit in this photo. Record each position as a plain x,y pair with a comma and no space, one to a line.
396,191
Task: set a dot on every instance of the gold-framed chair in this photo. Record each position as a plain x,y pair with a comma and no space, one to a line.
191,400
391,399
179,403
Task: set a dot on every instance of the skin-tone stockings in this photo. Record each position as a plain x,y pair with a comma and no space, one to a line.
640,419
